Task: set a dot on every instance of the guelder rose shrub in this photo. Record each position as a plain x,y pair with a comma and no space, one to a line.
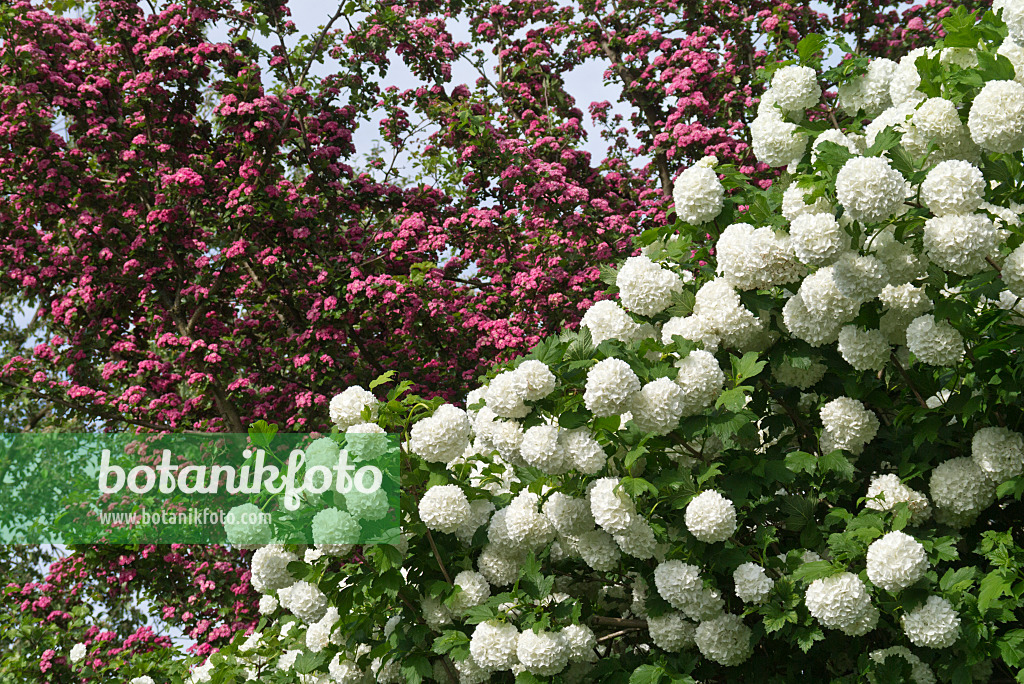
802,460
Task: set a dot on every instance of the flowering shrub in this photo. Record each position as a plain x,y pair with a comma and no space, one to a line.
802,459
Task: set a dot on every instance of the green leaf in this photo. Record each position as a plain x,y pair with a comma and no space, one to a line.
733,399
801,461
381,379
959,27
993,585
609,276
901,515
806,636
809,49
1011,647
746,367
835,462
647,674
262,433
831,155
575,419
808,572
637,486
884,141
958,580
448,640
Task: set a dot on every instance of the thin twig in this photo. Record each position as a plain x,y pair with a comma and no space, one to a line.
906,378
437,555
618,622
607,637
994,265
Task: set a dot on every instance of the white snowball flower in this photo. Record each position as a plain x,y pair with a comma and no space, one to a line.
920,673
696,329
606,320
567,514
906,79
885,491
901,261
839,602
756,258
671,632
499,565
543,449
864,349
305,601
719,305
752,584
898,117
435,613
443,436
268,604
332,527
710,517
244,528
78,652
817,239
701,380
612,508
678,583
848,424
611,385
895,561
585,451
346,409
822,297
479,515
444,508
870,91
996,120
526,525
815,328
859,278
538,378
905,298
961,243
725,640
934,624
542,653
869,189
934,343
834,136
998,452
1014,52
794,203
937,121
776,142
475,590
1013,272
796,88
579,641
645,287
960,490
144,679
372,506
801,378
344,671
698,194
506,395
658,407
269,569
597,548
638,541
493,645
318,636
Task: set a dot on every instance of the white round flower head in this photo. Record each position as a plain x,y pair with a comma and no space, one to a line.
493,645
801,378
757,258
906,79
612,508
678,583
848,424
817,239
936,120
365,442
752,584
543,449
898,117
269,569
920,673
724,639
961,243
870,91
695,329
934,624
859,278
999,453
606,320
506,395
527,527
822,298
905,298
499,565
776,142
611,385
885,491
935,343
814,328
1015,53
78,652
372,506
1013,272
585,451
895,561
441,437
435,613
698,194
268,604
796,88
638,541
960,490
344,671
567,514
480,514
794,203
996,120
718,304
305,601
864,349
833,135
144,679
710,517
901,261
332,526
346,409
444,508
244,528
475,590
542,653
701,380
538,378
869,189
671,632
321,452
318,636
645,287
579,641
658,407
839,601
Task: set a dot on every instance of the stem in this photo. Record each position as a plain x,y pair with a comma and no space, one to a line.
906,379
437,556
994,265
607,637
618,622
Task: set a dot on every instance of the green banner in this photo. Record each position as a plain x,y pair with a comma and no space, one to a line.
239,489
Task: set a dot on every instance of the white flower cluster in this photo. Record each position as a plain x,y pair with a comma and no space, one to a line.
756,258
444,508
606,320
960,490
710,517
671,631
724,639
869,92
681,585
936,343
698,194
885,491
848,425
346,409
920,673
895,561
998,452
795,88
611,386
934,624
842,602
752,584
645,287
441,437
870,189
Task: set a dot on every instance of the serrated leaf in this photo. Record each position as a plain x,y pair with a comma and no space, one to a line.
575,419
647,674
836,462
381,379
884,141
448,640
808,572
809,47
801,462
